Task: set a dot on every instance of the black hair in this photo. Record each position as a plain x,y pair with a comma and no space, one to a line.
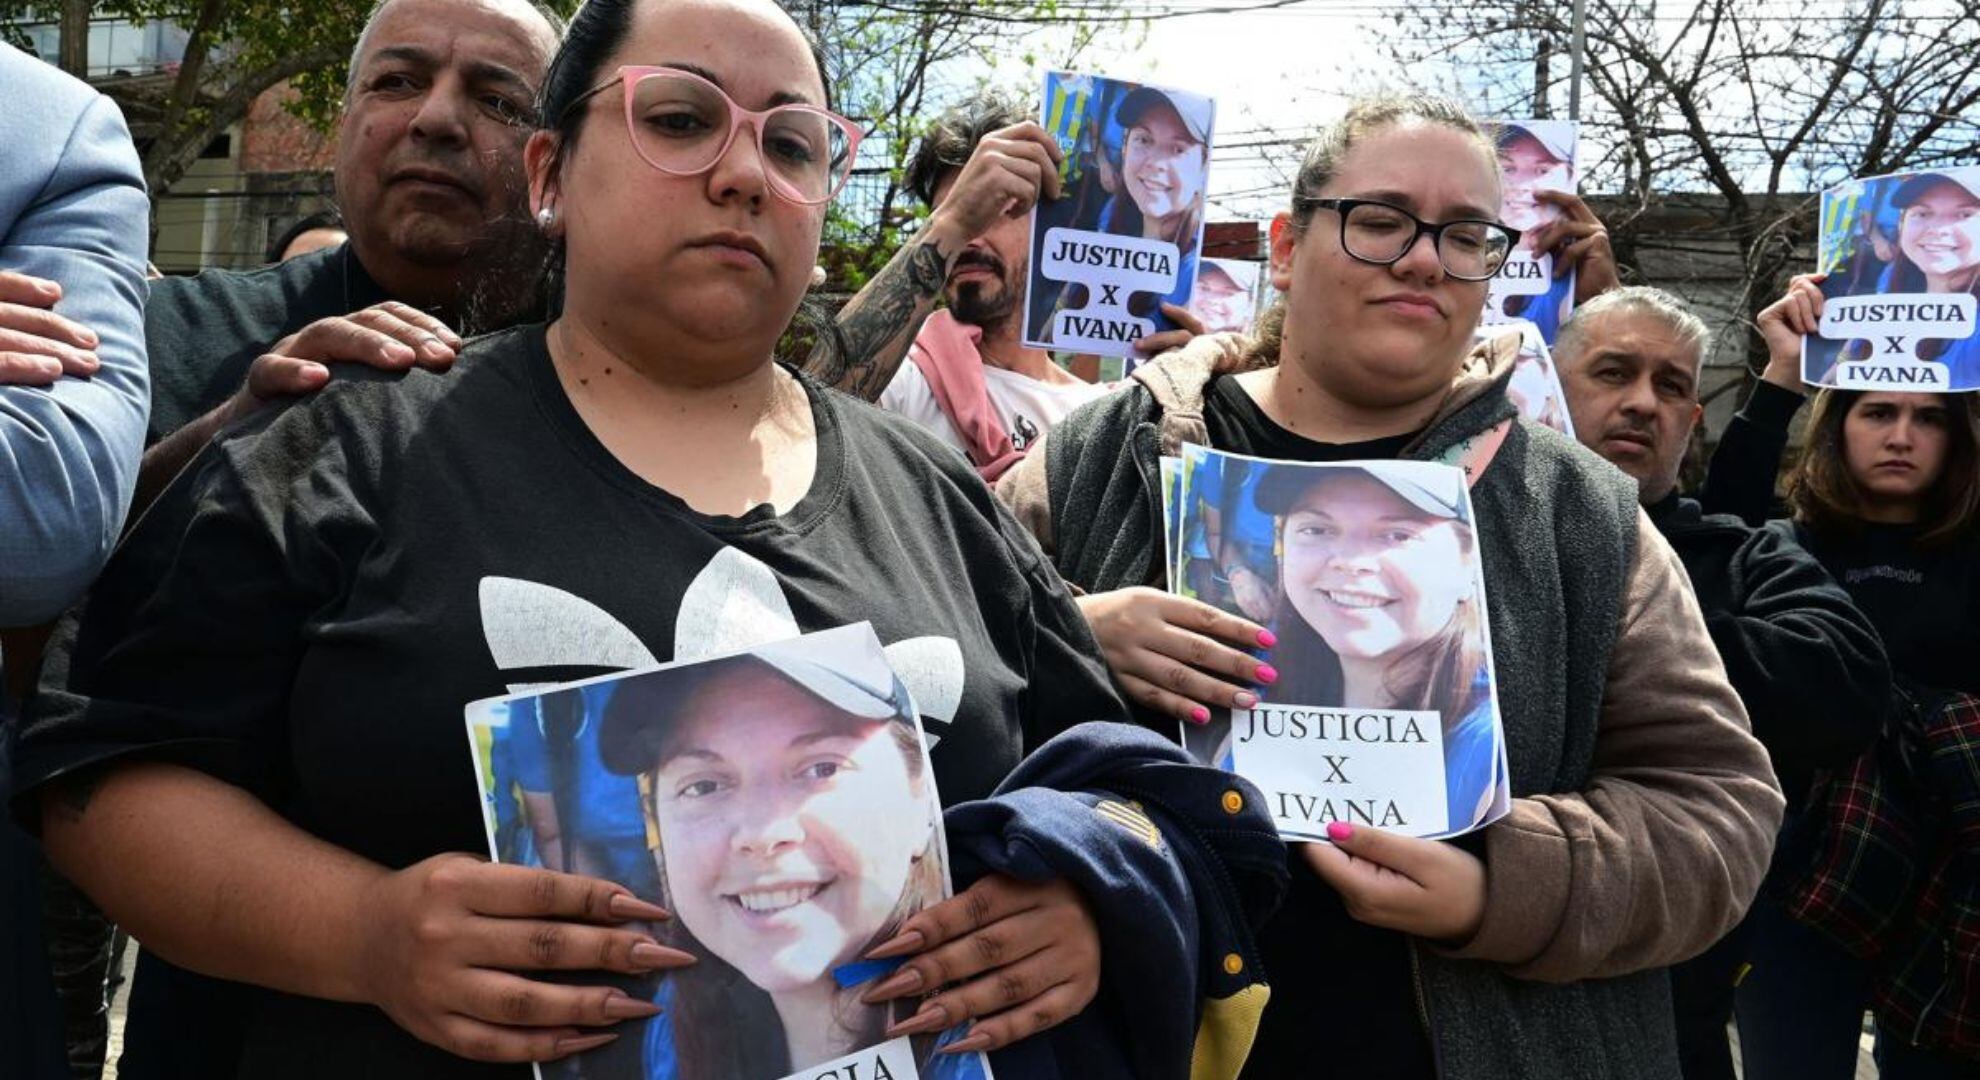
322,219
953,136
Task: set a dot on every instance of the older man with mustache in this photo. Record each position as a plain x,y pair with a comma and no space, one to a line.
1807,664
429,179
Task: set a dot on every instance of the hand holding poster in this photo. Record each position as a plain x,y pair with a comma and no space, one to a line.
1385,711
782,808
1902,255
1534,155
1535,387
1125,235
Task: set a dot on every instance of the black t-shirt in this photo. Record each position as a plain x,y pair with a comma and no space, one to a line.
202,332
1344,1003
1924,601
307,611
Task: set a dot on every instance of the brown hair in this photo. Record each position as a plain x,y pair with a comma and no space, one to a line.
1826,498
1322,163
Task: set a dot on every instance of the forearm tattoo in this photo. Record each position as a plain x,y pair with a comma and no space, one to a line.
863,348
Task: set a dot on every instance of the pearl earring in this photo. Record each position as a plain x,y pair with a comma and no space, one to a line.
545,216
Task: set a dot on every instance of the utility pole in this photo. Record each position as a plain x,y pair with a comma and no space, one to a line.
1580,47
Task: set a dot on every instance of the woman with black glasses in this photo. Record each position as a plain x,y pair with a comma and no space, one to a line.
251,749
1643,810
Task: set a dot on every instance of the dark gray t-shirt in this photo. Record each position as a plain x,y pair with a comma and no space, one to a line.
308,609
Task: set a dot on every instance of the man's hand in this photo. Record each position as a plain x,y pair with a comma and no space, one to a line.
1427,888
1187,326
1579,242
1015,956
38,346
1003,178
1784,323
390,336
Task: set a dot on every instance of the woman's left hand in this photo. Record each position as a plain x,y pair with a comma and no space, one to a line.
1427,888
1018,957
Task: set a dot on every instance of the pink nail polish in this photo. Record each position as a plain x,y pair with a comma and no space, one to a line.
1339,831
1267,639
1200,715
1268,674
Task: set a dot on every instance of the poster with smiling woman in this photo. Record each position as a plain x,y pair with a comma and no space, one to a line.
1125,235
1902,255
1535,156
781,805
1385,712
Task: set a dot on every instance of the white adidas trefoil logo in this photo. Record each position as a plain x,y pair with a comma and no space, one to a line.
733,604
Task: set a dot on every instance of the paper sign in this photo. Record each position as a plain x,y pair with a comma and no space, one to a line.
674,781
1127,232
888,1061
1384,712
1902,255
1534,155
1535,387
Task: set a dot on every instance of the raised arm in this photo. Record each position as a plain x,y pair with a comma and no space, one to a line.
1002,179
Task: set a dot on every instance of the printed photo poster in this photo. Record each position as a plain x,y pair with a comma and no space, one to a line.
1126,234
1386,711
670,781
1534,155
1226,296
1902,255
1535,388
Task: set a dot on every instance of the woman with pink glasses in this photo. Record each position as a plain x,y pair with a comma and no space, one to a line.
251,751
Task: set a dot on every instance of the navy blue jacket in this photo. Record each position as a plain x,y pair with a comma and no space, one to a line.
1180,863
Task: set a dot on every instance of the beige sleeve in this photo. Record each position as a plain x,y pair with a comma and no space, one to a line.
1664,850
1023,490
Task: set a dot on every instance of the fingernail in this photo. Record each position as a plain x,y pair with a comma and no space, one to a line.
399,350
89,338
905,981
1267,639
931,1018
434,347
901,944
623,1006
1199,715
1267,674
1244,699
968,1044
628,906
580,1043
1339,831
650,956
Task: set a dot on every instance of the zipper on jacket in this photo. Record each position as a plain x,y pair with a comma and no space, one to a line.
1423,1009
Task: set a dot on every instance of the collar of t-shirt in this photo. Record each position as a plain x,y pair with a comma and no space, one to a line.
1237,424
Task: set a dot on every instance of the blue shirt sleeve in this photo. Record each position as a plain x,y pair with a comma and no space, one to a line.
69,452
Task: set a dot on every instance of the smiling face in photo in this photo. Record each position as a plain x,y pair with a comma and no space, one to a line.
1528,167
1372,574
1163,165
1940,232
789,830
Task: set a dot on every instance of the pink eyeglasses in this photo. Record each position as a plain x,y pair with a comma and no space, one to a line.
682,124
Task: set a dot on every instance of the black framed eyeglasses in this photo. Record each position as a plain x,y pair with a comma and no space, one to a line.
1380,233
